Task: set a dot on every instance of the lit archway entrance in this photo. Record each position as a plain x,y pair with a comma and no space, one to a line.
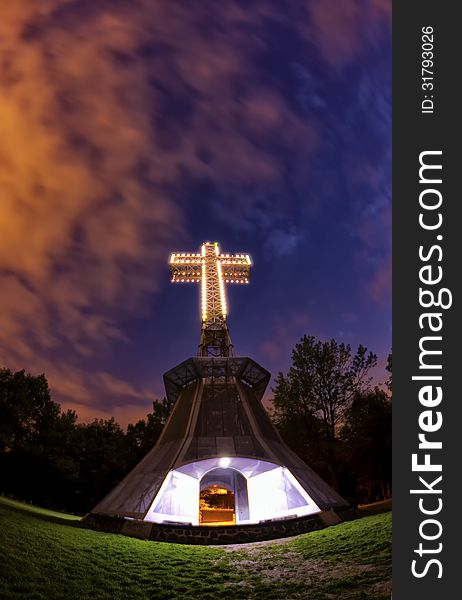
217,506
223,498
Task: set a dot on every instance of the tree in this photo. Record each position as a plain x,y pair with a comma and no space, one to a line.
102,457
323,380
142,436
26,409
35,464
367,433
310,402
298,426
46,457
389,368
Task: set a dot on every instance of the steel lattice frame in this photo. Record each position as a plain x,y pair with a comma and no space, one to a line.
213,271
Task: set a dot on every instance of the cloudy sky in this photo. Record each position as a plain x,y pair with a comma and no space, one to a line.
133,128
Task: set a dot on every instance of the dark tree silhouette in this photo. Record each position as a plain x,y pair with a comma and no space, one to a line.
389,368
367,436
142,436
310,402
322,381
26,409
35,463
46,457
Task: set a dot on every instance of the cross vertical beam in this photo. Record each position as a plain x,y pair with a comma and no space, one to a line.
213,270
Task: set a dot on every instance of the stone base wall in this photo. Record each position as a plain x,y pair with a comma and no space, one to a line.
209,535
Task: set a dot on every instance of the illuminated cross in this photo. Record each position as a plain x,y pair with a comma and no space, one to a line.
213,271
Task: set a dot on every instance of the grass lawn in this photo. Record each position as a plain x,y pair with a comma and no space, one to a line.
47,555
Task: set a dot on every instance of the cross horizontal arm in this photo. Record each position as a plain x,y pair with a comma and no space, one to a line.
235,259
185,267
235,267
186,273
236,273
185,259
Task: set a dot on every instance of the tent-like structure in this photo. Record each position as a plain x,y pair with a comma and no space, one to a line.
219,459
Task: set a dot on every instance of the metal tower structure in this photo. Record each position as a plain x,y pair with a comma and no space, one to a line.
213,270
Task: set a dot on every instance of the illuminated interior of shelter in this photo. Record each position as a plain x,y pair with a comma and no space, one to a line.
246,491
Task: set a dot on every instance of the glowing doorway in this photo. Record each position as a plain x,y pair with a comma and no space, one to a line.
217,506
223,497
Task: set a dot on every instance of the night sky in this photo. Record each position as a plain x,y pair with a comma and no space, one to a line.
134,128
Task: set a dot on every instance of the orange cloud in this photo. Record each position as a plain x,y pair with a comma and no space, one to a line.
97,394
72,224
123,415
